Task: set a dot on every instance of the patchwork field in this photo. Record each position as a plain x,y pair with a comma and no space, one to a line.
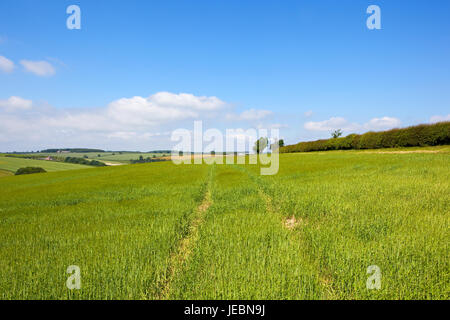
124,157
160,231
10,164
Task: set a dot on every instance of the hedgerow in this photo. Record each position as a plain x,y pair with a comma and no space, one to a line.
85,162
415,136
29,170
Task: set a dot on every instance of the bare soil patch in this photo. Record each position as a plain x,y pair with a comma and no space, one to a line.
291,223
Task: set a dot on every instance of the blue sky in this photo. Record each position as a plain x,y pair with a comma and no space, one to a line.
305,67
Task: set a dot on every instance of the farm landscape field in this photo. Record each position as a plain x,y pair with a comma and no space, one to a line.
224,159
160,231
113,157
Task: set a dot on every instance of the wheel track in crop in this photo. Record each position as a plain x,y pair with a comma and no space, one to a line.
187,243
325,277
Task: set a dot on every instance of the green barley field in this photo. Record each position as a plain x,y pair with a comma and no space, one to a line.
161,231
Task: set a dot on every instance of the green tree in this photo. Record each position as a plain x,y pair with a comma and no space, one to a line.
260,144
336,133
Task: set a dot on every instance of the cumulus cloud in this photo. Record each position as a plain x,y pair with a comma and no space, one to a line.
6,65
15,103
326,125
382,123
435,119
186,100
161,107
249,115
39,68
335,123
136,120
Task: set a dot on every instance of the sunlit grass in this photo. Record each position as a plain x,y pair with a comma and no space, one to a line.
119,225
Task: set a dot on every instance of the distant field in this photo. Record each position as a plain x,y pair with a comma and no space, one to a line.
106,156
11,164
161,231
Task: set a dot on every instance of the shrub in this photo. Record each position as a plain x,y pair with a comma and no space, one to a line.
29,170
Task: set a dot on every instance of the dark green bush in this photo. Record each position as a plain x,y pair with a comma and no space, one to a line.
84,161
416,136
29,170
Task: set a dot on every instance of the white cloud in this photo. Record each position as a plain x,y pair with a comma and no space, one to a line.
15,103
382,123
335,123
128,123
162,107
435,119
249,115
39,68
326,125
6,65
186,100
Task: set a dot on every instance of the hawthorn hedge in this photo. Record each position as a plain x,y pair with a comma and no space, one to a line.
415,136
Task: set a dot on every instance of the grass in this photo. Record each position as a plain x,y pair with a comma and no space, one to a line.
118,224
243,251
372,209
11,164
309,232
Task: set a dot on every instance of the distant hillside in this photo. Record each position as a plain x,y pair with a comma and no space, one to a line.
75,150
415,136
11,164
160,151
